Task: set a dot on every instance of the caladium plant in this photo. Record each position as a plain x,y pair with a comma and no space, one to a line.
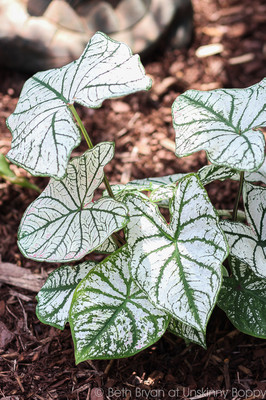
156,275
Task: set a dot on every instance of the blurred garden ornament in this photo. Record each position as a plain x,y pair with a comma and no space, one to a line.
42,34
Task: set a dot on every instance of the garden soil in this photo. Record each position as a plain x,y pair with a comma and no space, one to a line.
37,361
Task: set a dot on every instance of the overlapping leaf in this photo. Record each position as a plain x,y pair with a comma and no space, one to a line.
44,132
210,173
243,298
223,123
186,332
110,316
148,185
248,243
54,298
178,265
63,223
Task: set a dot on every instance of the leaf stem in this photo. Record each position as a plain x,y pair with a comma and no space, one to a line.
90,145
240,188
119,241
228,213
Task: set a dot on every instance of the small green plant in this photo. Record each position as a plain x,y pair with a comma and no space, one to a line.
10,176
156,275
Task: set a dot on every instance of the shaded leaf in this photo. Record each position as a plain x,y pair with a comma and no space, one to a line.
186,332
63,223
243,299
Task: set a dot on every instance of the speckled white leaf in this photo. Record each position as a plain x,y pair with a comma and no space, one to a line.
210,173
54,298
44,132
186,332
63,223
163,194
107,247
110,316
223,123
243,298
178,265
248,243
147,184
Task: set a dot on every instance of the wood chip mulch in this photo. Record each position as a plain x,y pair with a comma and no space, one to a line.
37,361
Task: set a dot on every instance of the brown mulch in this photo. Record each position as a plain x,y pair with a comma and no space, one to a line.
37,361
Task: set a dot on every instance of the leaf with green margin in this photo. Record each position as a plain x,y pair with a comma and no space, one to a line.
242,297
43,128
54,298
223,122
63,223
110,316
186,332
178,265
7,174
147,184
210,173
248,243
163,194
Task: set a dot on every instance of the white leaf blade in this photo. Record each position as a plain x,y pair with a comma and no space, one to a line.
186,332
248,243
54,298
44,132
242,298
63,223
110,316
222,122
168,261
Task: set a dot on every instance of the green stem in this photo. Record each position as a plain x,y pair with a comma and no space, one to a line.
90,145
228,213
119,241
240,188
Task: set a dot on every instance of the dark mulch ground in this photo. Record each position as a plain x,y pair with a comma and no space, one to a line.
36,361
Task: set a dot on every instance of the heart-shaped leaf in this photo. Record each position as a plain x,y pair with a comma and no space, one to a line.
178,265
186,332
63,223
242,297
54,298
223,122
44,132
248,243
110,316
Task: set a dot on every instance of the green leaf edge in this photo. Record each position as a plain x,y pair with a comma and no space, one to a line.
221,265
71,323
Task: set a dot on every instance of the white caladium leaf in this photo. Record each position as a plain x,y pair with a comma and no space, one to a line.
210,173
110,316
257,176
243,298
186,332
147,184
163,194
44,132
54,298
248,243
63,223
107,247
178,265
223,122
